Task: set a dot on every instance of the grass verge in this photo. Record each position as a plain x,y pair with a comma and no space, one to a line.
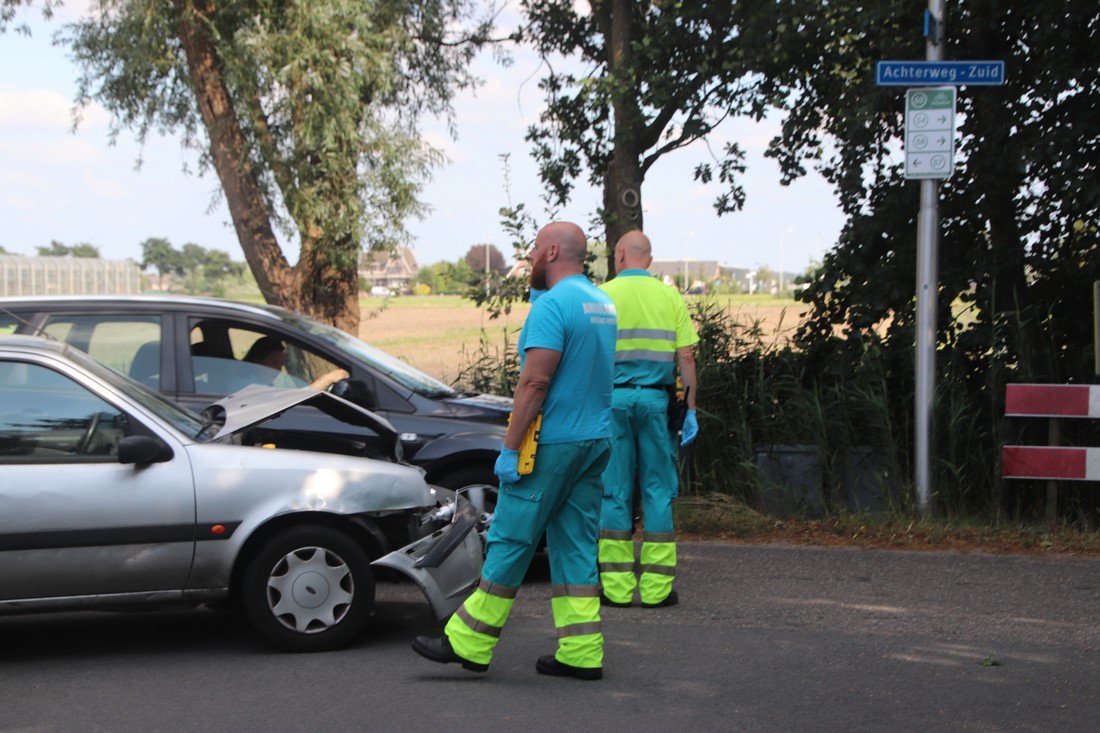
719,517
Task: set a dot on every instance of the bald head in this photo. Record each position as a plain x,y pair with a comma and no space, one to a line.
633,251
559,252
569,238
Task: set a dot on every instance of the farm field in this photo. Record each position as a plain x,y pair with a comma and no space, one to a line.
436,333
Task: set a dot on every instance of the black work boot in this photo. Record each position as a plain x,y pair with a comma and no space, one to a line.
438,649
670,600
549,665
605,601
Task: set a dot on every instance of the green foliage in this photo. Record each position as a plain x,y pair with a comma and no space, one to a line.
202,270
57,249
158,253
1019,245
490,369
317,135
656,78
9,10
1017,248
448,278
852,400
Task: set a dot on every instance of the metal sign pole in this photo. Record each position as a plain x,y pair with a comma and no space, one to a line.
928,241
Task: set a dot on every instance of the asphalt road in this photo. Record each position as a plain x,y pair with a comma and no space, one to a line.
765,639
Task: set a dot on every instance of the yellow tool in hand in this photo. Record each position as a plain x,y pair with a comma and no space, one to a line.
529,445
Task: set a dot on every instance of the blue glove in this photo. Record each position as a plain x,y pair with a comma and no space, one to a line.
690,429
507,466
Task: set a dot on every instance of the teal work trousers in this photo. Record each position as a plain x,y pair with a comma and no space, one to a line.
641,444
560,497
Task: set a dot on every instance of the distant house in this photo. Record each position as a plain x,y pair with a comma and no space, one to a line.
695,275
393,270
21,275
741,278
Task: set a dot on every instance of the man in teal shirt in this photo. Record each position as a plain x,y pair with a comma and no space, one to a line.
567,352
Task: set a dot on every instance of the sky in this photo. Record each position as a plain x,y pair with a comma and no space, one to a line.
57,184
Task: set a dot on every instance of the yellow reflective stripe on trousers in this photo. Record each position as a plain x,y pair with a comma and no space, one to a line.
577,620
616,562
475,628
658,563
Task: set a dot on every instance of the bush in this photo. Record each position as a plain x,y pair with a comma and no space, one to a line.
489,369
846,399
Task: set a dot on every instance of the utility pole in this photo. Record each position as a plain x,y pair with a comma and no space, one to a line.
928,245
487,245
782,236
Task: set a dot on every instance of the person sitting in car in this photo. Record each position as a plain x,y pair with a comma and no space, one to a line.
270,352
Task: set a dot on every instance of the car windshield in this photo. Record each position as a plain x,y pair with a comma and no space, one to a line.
406,375
189,423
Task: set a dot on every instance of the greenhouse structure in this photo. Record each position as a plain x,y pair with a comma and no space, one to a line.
21,275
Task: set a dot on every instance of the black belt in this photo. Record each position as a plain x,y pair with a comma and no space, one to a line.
627,385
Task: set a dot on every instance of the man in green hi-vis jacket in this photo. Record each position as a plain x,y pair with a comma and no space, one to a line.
655,336
567,352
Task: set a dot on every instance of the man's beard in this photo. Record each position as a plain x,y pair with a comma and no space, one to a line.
538,276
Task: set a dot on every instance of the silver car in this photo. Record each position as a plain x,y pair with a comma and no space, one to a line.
113,497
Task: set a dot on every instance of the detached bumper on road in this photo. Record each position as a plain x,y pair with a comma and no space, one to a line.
446,564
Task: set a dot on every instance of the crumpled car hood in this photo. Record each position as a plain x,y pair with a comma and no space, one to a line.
256,404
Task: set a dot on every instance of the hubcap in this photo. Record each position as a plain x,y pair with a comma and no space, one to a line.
310,590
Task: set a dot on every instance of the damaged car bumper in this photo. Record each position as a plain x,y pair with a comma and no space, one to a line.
446,564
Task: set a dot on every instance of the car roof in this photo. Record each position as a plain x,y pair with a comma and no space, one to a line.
166,301
32,343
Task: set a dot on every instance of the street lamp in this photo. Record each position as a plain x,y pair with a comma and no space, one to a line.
687,282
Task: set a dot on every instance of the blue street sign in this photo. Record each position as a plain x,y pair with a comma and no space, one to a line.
939,73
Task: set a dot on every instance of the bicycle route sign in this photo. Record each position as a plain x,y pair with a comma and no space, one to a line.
930,132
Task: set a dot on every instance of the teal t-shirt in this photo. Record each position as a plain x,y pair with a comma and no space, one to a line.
577,320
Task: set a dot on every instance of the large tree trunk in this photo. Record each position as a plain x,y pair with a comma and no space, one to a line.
229,152
316,286
622,193
330,292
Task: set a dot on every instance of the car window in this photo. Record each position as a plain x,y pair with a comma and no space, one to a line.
227,357
404,374
129,344
46,417
8,324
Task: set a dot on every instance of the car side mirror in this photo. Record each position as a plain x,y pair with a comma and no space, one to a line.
353,390
143,449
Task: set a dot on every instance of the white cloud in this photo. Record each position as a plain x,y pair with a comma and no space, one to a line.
65,150
72,10
23,180
17,202
444,144
44,110
105,187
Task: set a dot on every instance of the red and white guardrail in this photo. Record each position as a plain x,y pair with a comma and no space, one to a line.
1052,400
1051,462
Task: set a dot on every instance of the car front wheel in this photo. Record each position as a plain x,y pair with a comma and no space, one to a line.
478,483
308,589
